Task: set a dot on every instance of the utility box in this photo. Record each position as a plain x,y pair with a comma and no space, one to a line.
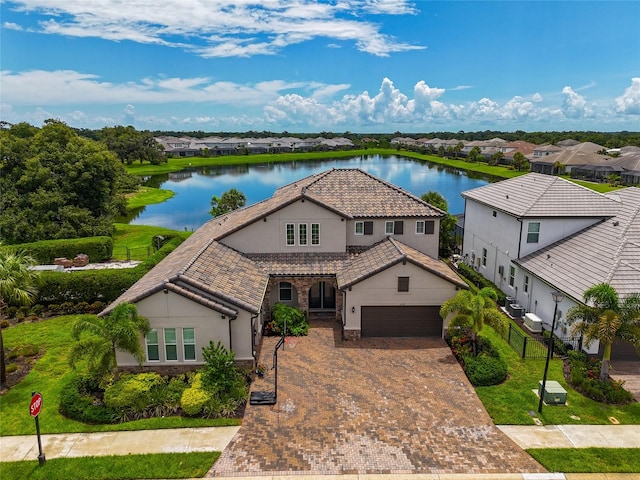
533,322
515,310
554,394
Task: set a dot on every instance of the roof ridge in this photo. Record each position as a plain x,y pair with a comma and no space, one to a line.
397,247
193,259
317,178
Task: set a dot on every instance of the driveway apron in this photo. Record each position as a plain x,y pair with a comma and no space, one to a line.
400,405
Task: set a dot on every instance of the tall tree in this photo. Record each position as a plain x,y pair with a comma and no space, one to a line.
475,309
606,317
229,201
130,145
99,338
447,224
17,286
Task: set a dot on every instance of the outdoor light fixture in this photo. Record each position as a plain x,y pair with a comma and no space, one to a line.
557,298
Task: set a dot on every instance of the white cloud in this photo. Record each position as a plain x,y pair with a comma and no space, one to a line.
536,97
223,28
629,101
11,26
574,105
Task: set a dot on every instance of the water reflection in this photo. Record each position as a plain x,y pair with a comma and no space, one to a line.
189,207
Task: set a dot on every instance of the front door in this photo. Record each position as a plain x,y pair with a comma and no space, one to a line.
322,296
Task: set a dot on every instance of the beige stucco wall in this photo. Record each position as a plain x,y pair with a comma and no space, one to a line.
270,236
171,310
425,289
425,243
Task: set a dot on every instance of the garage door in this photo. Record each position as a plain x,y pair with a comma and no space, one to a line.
407,321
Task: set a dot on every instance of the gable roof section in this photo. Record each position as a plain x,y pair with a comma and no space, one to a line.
606,252
537,195
387,253
585,153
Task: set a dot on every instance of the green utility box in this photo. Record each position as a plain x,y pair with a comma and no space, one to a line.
554,394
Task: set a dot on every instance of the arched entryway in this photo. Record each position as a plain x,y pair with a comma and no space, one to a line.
322,297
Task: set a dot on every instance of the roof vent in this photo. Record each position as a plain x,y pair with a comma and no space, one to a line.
616,223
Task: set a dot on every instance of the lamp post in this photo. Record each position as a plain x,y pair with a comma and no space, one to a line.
557,298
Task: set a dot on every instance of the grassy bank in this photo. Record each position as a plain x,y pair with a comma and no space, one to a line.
165,465
588,460
513,401
147,196
48,376
134,242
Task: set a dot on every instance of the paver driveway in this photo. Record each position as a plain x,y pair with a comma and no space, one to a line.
372,406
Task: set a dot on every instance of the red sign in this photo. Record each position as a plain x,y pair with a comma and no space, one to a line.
36,405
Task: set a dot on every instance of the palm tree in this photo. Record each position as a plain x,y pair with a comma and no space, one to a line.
605,317
120,330
477,309
17,286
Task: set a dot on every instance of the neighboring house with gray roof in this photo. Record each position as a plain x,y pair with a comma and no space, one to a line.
535,234
585,153
342,243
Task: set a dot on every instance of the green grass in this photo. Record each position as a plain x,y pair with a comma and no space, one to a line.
510,402
588,460
137,238
148,196
165,465
49,374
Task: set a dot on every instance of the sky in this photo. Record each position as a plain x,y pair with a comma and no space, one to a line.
362,66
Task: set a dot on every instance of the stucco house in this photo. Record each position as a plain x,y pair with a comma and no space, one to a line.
341,243
536,233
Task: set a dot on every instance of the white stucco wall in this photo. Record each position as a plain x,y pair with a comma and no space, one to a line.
425,289
425,243
171,310
552,230
270,236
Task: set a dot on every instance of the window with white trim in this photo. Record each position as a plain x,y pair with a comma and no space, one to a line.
484,257
285,292
525,286
302,234
388,228
394,227
364,228
291,234
533,232
151,340
512,276
170,344
315,234
359,229
420,227
189,344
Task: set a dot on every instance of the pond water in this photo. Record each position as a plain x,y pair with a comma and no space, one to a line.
189,208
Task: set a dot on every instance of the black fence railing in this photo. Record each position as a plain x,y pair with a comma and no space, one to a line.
132,253
528,346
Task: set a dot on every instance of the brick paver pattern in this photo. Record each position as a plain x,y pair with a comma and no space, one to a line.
370,406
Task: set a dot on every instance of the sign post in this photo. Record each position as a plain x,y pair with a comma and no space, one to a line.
34,410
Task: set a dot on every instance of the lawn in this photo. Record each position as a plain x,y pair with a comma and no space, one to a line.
135,241
49,374
588,460
147,196
165,465
514,402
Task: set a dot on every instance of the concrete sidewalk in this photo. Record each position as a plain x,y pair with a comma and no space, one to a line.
25,447
574,436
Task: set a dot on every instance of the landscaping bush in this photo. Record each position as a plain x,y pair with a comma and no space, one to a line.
78,402
99,249
225,383
584,376
485,370
296,321
195,397
479,281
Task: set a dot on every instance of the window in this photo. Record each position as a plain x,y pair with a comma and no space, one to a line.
429,227
394,227
315,234
419,227
302,234
285,292
359,228
291,234
525,287
170,344
189,343
368,228
533,232
151,339
512,276
494,213
403,284
484,257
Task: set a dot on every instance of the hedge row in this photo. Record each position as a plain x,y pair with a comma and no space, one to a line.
90,286
99,249
479,281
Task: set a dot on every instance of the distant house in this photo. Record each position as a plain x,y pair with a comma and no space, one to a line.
577,155
341,243
534,234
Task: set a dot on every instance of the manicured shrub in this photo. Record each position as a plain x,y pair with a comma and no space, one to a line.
485,370
99,249
479,281
294,318
131,396
224,382
78,402
195,397
585,377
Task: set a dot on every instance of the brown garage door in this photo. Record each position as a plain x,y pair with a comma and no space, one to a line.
407,321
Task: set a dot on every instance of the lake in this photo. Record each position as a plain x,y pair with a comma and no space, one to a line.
189,208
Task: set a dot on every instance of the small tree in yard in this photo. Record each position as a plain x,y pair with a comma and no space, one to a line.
229,201
477,309
98,339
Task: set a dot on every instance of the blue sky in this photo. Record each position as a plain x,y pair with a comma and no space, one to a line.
310,66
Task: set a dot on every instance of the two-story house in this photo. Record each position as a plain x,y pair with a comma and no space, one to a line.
342,243
535,234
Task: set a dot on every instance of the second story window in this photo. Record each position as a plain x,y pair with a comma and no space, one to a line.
394,227
484,257
315,234
533,232
512,276
364,228
302,234
291,234
403,284
419,227
359,228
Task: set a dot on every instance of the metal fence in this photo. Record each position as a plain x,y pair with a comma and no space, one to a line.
528,346
135,253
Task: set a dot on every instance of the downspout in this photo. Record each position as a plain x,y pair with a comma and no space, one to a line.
520,237
231,319
253,336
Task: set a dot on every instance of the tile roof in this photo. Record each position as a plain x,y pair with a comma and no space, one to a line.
538,195
389,252
580,154
606,252
300,264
